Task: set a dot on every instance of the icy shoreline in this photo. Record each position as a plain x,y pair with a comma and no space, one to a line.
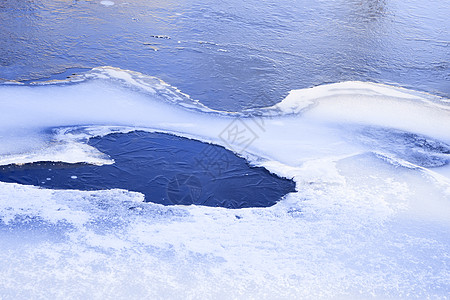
369,218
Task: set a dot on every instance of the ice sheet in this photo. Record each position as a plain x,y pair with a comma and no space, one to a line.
167,169
368,220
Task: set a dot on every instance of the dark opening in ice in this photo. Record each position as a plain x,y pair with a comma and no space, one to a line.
167,169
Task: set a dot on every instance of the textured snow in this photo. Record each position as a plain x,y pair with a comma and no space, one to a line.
368,220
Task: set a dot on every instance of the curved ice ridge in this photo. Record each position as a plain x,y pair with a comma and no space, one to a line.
151,85
111,96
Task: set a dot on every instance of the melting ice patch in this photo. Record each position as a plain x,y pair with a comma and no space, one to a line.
370,217
107,3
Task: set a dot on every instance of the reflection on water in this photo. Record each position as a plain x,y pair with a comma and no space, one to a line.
368,10
227,53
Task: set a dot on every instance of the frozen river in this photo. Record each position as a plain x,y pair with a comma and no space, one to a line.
312,138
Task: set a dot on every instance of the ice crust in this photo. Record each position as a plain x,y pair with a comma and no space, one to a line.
370,219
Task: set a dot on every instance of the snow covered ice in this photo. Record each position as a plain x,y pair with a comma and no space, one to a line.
370,217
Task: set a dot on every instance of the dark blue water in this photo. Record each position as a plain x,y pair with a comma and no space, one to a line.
167,169
233,54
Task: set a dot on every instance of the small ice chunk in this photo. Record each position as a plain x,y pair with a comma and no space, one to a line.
106,3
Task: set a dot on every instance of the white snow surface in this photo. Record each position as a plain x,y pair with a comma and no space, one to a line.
365,222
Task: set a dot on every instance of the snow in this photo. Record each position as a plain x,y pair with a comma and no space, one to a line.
107,3
367,221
